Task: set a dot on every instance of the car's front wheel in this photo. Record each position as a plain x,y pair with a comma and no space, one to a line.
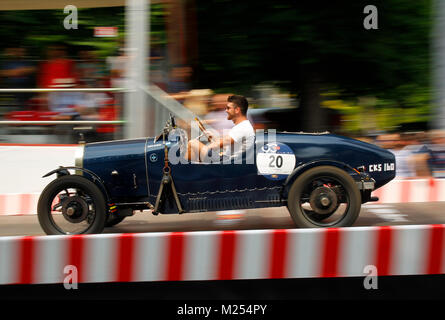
71,205
324,196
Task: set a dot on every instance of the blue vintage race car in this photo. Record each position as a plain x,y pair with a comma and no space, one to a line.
322,178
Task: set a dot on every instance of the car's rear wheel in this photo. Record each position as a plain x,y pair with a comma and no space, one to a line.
324,196
71,205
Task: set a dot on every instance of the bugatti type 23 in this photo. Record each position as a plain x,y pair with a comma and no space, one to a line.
322,178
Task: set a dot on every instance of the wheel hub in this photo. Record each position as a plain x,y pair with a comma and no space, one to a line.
74,209
323,200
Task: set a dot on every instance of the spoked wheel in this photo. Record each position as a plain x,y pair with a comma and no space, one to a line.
71,205
324,197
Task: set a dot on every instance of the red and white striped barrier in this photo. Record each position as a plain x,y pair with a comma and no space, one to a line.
18,203
396,191
412,190
224,255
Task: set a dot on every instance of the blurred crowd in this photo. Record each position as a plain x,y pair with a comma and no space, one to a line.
418,154
57,71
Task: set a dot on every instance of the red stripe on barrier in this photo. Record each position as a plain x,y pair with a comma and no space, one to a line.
125,258
435,252
226,261
175,256
405,189
278,254
384,246
26,260
433,190
2,204
331,251
25,204
76,254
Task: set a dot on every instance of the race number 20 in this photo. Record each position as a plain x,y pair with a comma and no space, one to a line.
275,161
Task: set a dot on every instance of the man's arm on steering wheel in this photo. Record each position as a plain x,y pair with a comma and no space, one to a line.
219,143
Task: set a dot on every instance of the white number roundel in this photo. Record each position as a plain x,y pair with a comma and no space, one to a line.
275,161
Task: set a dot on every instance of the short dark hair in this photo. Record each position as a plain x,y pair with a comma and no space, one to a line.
240,102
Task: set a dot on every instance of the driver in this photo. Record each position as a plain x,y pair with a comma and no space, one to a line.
242,134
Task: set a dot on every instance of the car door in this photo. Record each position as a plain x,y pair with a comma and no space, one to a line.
213,186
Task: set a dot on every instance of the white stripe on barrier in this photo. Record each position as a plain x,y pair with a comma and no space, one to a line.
251,254
357,251
9,260
440,189
408,249
201,252
50,254
304,251
417,191
151,256
100,258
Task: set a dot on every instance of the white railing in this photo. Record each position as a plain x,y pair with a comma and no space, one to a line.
59,122
7,90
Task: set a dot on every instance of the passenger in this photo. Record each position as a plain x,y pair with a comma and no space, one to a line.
242,134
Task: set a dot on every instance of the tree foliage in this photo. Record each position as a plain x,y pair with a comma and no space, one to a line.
36,29
312,45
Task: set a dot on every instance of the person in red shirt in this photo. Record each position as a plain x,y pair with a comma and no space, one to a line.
58,70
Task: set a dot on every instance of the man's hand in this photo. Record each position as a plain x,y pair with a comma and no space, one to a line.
220,142
210,136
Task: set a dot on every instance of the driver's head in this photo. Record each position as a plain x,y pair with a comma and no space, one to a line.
236,106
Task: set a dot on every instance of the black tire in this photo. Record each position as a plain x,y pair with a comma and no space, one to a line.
113,220
86,192
302,186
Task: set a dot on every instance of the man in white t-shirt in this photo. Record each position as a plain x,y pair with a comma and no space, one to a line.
241,136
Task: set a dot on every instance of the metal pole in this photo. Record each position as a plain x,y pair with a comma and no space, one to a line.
135,101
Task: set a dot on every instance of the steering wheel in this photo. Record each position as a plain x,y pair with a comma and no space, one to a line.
203,129
172,121
170,125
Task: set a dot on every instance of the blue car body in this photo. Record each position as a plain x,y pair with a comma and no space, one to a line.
130,172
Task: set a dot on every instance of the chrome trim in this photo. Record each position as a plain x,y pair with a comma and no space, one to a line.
146,165
78,158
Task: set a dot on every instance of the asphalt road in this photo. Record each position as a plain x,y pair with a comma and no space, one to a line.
270,218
